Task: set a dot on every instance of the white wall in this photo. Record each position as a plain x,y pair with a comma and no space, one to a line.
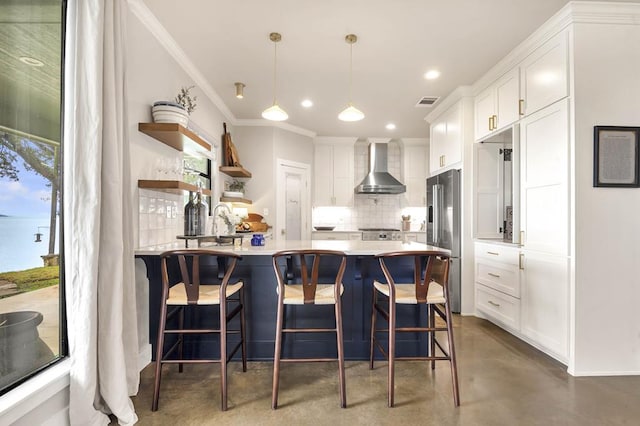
607,280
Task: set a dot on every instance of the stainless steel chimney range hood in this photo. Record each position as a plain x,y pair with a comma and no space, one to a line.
379,180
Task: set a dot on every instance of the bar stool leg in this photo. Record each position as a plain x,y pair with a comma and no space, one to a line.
277,353
343,393
159,351
181,338
392,350
243,332
452,356
373,328
223,352
432,335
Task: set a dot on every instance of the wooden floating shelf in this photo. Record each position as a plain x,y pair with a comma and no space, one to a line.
176,136
235,171
235,200
173,186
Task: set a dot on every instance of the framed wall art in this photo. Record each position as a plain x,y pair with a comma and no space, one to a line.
616,156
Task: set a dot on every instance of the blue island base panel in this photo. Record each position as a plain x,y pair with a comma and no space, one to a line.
261,305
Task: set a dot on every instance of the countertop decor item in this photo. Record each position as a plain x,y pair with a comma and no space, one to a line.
324,228
176,111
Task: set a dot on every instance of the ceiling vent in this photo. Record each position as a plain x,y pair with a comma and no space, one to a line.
427,101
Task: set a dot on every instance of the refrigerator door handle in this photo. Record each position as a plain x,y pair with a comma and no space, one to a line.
437,191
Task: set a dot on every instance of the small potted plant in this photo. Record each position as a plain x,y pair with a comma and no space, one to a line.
176,111
235,189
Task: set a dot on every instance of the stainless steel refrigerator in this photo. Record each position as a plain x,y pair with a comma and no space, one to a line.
443,224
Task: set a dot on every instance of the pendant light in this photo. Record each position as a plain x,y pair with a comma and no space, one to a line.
351,113
274,112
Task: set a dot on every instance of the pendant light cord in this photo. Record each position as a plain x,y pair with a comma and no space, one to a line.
350,72
275,68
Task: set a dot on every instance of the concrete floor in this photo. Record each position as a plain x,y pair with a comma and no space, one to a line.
503,381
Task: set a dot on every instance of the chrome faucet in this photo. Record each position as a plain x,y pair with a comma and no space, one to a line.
215,217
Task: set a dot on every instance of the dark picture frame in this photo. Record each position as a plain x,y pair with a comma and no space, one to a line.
616,156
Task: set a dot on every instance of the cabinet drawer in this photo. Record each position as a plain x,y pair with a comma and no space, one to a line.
498,253
498,306
499,276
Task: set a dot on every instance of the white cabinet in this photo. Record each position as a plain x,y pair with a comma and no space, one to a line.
544,175
336,235
497,283
545,302
415,171
498,106
545,74
334,173
446,140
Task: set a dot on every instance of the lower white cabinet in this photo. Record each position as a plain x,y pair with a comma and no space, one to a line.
526,293
336,235
545,302
497,279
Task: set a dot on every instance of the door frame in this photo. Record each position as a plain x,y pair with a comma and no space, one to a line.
282,167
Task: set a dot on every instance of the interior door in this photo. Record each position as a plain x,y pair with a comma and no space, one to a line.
293,201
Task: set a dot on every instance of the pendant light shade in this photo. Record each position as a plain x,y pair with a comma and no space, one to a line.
351,113
274,112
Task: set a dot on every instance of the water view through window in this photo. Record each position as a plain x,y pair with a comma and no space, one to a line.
31,323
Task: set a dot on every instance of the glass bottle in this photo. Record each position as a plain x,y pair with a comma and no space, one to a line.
200,212
190,216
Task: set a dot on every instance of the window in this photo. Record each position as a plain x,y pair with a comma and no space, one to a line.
32,328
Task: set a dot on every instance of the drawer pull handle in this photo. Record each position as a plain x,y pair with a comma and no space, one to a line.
493,253
497,305
493,275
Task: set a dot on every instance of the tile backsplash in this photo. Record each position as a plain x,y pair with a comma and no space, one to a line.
160,217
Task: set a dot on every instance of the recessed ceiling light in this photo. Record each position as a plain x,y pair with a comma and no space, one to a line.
390,126
307,103
33,62
432,74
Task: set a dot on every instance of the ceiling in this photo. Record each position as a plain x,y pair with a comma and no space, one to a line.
398,41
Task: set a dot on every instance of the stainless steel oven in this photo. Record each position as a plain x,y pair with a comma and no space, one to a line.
381,234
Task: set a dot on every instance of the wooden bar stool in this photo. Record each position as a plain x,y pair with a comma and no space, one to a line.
429,286
189,292
299,286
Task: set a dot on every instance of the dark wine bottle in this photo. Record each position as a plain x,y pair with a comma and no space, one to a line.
190,216
200,213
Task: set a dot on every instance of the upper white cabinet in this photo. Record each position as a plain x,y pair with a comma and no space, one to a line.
545,74
333,172
446,139
497,106
544,175
415,172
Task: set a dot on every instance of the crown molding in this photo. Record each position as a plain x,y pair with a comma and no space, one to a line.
148,19
584,12
453,97
260,122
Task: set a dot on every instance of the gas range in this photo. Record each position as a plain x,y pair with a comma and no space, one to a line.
380,234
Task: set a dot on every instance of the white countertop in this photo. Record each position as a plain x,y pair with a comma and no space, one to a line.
365,248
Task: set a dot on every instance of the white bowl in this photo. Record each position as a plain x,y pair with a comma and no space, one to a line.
170,114
232,194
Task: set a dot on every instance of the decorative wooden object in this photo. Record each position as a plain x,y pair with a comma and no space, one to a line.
230,154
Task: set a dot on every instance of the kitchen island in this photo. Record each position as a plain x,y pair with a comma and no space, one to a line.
256,270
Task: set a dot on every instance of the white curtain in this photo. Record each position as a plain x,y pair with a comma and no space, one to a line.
99,258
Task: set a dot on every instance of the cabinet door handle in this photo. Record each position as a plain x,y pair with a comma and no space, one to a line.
521,261
493,253
521,238
493,275
492,303
491,122
495,122
521,107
